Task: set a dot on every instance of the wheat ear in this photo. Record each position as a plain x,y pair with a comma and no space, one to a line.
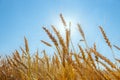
105,37
63,20
116,47
51,36
46,43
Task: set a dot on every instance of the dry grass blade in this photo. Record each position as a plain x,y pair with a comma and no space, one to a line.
116,47
105,37
46,43
62,19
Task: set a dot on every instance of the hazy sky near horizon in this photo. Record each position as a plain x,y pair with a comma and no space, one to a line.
19,18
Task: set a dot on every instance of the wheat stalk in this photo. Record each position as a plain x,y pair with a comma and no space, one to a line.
62,43
67,38
81,31
81,50
116,47
26,45
109,70
105,37
96,57
46,43
62,19
103,58
61,40
51,36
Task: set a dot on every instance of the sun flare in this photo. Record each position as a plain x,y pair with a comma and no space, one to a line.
67,23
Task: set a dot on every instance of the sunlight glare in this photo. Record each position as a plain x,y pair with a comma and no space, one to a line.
71,24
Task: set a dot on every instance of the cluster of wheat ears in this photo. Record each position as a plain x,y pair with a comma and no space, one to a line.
65,64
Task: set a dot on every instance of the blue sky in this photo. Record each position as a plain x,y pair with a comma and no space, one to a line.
19,18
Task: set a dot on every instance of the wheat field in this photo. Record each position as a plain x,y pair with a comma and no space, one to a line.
65,64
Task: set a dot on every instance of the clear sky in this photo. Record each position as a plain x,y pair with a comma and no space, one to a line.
19,18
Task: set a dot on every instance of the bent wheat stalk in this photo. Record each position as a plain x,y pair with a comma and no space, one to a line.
46,43
105,37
